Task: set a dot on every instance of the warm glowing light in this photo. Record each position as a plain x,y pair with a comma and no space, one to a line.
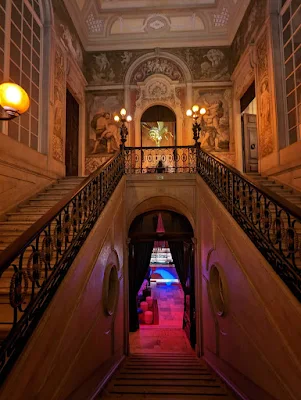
116,118
203,111
195,108
123,112
13,98
189,113
129,118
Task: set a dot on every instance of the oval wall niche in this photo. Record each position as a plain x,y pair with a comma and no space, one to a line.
110,289
218,290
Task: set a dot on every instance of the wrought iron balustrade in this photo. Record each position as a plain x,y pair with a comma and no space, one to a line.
174,159
271,222
35,264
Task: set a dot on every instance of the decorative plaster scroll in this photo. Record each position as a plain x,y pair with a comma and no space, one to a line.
157,65
157,89
59,106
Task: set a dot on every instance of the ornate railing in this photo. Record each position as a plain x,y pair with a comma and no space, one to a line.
170,159
272,223
34,265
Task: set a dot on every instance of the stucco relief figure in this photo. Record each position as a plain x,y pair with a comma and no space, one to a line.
72,44
102,70
157,66
214,69
106,132
265,105
126,58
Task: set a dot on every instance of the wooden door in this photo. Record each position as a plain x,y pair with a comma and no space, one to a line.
189,322
72,130
250,142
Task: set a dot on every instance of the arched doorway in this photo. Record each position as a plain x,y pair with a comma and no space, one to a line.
174,229
162,118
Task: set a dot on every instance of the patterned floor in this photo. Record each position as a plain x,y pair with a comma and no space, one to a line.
170,303
168,336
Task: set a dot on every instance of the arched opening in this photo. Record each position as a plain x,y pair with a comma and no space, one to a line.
161,281
158,127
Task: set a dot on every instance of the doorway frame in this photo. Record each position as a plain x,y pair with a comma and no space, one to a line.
76,83
197,287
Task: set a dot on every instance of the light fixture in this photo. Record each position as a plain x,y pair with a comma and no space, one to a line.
195,112
123,128
14,101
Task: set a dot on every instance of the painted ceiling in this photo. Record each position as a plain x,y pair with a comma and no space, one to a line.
141,24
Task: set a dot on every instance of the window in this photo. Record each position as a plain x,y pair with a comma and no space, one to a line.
20,62
291,38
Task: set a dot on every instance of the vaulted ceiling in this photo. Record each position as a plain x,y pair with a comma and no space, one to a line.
140,24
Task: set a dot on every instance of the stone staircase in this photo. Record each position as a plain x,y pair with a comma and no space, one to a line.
279,188
19,221
165,376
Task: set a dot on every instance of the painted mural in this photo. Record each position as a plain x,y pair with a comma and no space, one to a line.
250,26
103,132
215,133
264,101
67,33
59,106
205,64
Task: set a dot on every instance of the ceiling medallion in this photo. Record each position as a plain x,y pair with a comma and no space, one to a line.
156,24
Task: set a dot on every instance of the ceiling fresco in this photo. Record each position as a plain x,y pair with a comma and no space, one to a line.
145,24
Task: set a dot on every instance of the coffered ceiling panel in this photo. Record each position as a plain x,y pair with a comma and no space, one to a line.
142,24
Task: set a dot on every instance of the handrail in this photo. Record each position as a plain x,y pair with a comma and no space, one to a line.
271,222
285,204
40,258
16,247
169,159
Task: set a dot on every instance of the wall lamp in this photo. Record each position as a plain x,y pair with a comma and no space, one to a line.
195,112
123,118
14,101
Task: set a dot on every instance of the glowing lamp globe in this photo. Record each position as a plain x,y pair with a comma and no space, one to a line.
129,118
116,118
13,98
123,112
203,111
195,108
189,113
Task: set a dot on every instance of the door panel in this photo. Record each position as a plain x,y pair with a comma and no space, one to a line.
250,142
72,129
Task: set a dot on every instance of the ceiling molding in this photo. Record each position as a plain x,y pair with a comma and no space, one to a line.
221,19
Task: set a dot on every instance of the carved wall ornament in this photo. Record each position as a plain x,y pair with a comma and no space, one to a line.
157,89
59,93
266,140
157,65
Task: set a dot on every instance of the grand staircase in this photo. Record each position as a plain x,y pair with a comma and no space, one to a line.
19,221
279,188
166,376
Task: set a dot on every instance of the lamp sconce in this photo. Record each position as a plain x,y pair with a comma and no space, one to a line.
14,101
123,118
195,112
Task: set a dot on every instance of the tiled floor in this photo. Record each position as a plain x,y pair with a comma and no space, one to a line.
170,304
168,336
